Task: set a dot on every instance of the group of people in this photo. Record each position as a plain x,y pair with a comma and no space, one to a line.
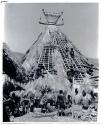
59,103
18,107
10,107
47,103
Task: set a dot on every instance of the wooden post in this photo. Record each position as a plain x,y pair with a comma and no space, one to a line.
72,100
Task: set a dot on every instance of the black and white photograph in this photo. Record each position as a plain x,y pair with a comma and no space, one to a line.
50,62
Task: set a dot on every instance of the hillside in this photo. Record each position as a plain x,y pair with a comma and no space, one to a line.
18,55
12,66
94,61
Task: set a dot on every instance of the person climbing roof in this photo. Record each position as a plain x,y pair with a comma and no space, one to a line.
72,53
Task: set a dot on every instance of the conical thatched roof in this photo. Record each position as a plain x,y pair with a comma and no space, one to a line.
42,50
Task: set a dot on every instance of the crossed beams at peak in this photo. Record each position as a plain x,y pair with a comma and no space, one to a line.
51,18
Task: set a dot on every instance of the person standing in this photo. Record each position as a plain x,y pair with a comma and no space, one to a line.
85,101
69,101
61,103
5,115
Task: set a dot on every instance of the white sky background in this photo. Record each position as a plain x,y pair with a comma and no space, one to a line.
80,25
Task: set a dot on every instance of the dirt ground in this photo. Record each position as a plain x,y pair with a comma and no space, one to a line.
30,118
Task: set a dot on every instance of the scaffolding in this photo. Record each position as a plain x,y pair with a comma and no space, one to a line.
51,18
59,41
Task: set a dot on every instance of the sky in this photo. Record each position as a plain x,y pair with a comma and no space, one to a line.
80,25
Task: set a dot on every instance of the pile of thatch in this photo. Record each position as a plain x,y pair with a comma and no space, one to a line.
49,82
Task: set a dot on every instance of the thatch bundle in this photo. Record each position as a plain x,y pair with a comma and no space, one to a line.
53,82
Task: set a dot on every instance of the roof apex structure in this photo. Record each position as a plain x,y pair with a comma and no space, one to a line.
51,18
